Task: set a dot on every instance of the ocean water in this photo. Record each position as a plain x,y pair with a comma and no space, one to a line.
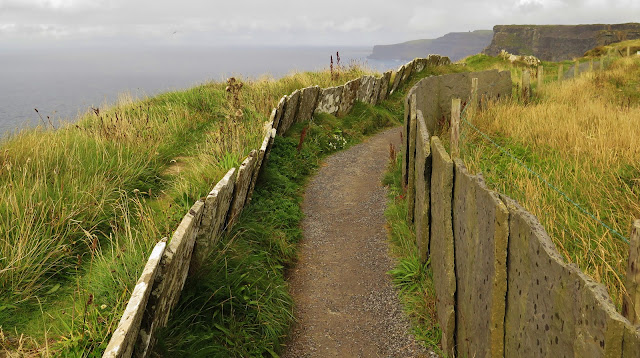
65,82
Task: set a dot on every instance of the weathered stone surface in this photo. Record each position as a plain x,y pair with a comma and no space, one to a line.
384,86
349,95
243,183
423,187
215,211
419,65
376,91
408,71
260,160
481,232
437,60
411,186
441,245
631,300
279,112
365,91
427,92
308,101
405,139
290,112
434,93
553,309
125,336
174,267
329,100
631,341
397,79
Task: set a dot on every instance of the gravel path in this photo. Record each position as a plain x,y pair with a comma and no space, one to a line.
346,305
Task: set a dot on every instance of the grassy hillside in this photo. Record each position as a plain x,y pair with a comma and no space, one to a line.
83,205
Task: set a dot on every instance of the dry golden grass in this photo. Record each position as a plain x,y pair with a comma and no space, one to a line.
582,137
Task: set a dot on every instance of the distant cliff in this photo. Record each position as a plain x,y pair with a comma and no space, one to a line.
558,42
455,45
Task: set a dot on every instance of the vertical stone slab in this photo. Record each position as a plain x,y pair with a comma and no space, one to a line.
124,338
423,187
631,300
366,89
276,118
397,79
290,111
553,309
481,237
308,101
408,71
405,140
377,82
329,100
215,210
631,341
411,186
349,95
174,267
419,65
243,183
384,86
441,245
268,139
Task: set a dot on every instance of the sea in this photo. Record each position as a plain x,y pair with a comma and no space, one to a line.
63,83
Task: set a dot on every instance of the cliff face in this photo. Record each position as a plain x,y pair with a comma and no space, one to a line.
558,42
455,45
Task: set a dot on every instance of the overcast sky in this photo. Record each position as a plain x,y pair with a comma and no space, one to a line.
282,22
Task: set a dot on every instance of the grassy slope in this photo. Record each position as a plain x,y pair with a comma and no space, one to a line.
83,205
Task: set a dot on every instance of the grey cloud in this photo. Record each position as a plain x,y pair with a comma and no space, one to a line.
286,22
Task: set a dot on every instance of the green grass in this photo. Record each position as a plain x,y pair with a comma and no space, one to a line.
84,204
413,279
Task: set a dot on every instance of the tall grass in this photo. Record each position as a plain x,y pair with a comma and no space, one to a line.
582,137
82,205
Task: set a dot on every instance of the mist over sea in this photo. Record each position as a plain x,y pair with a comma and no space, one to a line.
65,82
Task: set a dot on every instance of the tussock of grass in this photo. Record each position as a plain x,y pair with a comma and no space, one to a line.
582,136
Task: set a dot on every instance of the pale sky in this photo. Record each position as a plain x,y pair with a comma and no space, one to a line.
282,22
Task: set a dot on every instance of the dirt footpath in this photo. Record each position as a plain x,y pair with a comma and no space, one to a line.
346,305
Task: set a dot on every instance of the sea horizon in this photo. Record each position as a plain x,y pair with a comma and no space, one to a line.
64,82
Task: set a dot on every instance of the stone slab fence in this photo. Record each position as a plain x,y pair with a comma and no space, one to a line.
502,288
159,287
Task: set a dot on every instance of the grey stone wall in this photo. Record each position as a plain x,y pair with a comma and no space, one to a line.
481,232
502,288
441,249
434,93
422,186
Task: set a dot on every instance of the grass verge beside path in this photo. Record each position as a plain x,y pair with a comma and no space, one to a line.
413,279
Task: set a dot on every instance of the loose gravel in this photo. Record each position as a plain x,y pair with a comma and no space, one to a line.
345,302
